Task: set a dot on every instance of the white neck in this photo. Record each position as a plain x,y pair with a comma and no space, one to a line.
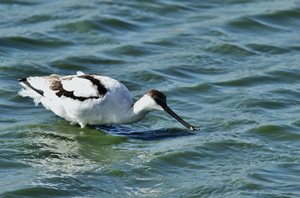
141,107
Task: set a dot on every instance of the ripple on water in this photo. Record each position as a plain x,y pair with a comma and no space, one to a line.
18,2
83,63
286,76
134,51
104,25
251,24
6,164
282,177
232,49
267,49
162,42
282,18
38,191
278,132
248,81
231,66
27,43
37,18
23,70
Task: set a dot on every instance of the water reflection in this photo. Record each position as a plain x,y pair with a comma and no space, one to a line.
144,134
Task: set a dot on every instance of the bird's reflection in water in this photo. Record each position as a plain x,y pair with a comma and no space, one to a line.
143,134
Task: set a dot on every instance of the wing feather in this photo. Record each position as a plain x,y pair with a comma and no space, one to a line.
80,87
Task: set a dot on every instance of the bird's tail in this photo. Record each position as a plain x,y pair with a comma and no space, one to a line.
32,87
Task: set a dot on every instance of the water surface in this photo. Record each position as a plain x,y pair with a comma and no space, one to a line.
231,67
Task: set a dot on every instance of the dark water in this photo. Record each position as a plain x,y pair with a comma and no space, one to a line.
232,67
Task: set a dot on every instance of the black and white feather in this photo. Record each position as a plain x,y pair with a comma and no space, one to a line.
92,99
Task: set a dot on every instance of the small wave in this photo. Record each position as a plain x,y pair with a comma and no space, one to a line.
196,89
215,147
131,50
248,81
6,164
24,70
281,177
162,43
251,24
26,43
142,78
177,73
267,49
188,73
277,132
271,77
287,75
37,191
36,19
232,49
109,25
118,24
169,9
282,18
271,104
18,2
291,96
83,62
177,160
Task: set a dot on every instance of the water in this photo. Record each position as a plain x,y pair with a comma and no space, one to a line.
231,67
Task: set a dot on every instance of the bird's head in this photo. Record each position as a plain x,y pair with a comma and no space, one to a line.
155,99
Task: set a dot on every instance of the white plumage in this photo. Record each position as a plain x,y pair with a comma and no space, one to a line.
92,99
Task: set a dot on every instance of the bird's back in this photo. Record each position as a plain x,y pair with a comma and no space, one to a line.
83,99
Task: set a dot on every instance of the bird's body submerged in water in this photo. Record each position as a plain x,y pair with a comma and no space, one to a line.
92,99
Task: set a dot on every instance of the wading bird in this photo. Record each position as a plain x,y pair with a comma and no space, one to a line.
92,99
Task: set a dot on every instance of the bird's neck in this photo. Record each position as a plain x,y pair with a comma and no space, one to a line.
139,109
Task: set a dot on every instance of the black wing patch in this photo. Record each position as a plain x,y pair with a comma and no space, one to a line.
24,80
56,85
100,87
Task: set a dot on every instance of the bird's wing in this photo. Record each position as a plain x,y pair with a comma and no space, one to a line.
78,87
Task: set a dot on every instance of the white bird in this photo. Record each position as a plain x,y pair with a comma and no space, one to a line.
92,99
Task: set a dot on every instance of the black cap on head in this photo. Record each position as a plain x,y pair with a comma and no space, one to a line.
161,100
158,97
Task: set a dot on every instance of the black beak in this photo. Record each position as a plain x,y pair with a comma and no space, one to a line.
179,119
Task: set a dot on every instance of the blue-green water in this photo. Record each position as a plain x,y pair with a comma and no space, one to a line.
232,67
